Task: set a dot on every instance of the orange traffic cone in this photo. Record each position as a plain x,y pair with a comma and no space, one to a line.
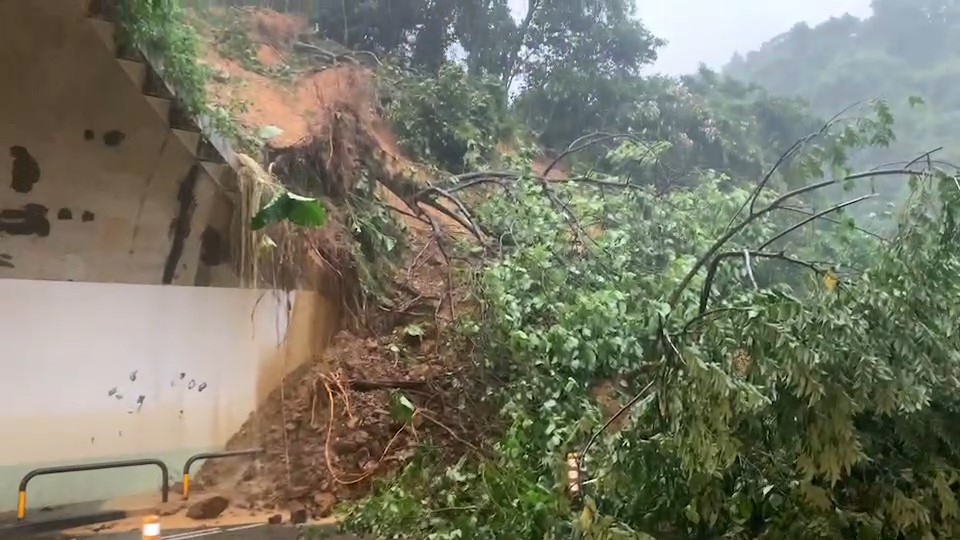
151,528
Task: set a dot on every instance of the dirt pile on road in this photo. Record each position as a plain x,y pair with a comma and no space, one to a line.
392,379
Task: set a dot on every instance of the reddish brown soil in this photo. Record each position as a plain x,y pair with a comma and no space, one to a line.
277,29
269,56
327,432
330,430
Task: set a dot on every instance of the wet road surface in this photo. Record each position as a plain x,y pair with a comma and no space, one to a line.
242,532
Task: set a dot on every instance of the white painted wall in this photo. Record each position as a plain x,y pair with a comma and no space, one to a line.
64,346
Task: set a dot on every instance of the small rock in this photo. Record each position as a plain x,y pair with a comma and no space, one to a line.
169,509
208,508
298,514
275,519
220,76
325,503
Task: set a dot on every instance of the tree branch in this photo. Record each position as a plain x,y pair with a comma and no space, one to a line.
467,220
589,140
705,258
511,67
715,263
832,220
818,215
794,148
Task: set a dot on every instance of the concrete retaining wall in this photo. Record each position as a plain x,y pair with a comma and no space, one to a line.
92,371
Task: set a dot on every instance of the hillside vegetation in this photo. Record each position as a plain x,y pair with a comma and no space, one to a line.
907,48
660,278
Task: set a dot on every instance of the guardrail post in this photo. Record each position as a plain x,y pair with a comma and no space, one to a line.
22,490
211,455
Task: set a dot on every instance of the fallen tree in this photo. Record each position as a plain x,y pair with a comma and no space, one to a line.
724,362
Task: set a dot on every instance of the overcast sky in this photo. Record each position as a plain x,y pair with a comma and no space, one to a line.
710,31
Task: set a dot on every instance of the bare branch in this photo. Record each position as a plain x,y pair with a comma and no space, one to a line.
511,67
815,216
468,225
746,260
703,316
705,258
832,220
629,405
794,148
589,140
715,263
923,156
467,220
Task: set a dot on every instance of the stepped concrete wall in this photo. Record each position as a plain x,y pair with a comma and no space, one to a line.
100,360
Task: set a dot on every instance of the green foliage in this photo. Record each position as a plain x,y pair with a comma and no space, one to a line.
769,405
159,29
232,39
906,48
451,119
377,245
299,210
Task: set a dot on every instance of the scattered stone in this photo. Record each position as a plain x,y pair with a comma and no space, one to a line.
208,508
220,75
298,514
325,503
275,519
169,509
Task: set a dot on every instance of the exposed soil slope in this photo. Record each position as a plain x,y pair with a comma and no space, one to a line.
390,381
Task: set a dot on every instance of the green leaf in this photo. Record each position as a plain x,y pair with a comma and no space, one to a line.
691,513
414,330
401,408
299,210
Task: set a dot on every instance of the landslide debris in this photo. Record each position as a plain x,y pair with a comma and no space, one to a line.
392,379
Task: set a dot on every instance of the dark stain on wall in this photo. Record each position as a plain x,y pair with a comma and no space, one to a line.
31,219
180,226
64,214
87,216
25,171
6,261
113,137
89,135
213,251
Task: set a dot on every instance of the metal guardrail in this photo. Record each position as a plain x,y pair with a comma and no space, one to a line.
22,491
211,455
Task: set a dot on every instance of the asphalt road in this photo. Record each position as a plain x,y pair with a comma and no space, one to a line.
243,532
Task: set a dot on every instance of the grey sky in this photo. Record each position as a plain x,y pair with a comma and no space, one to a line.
710,31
